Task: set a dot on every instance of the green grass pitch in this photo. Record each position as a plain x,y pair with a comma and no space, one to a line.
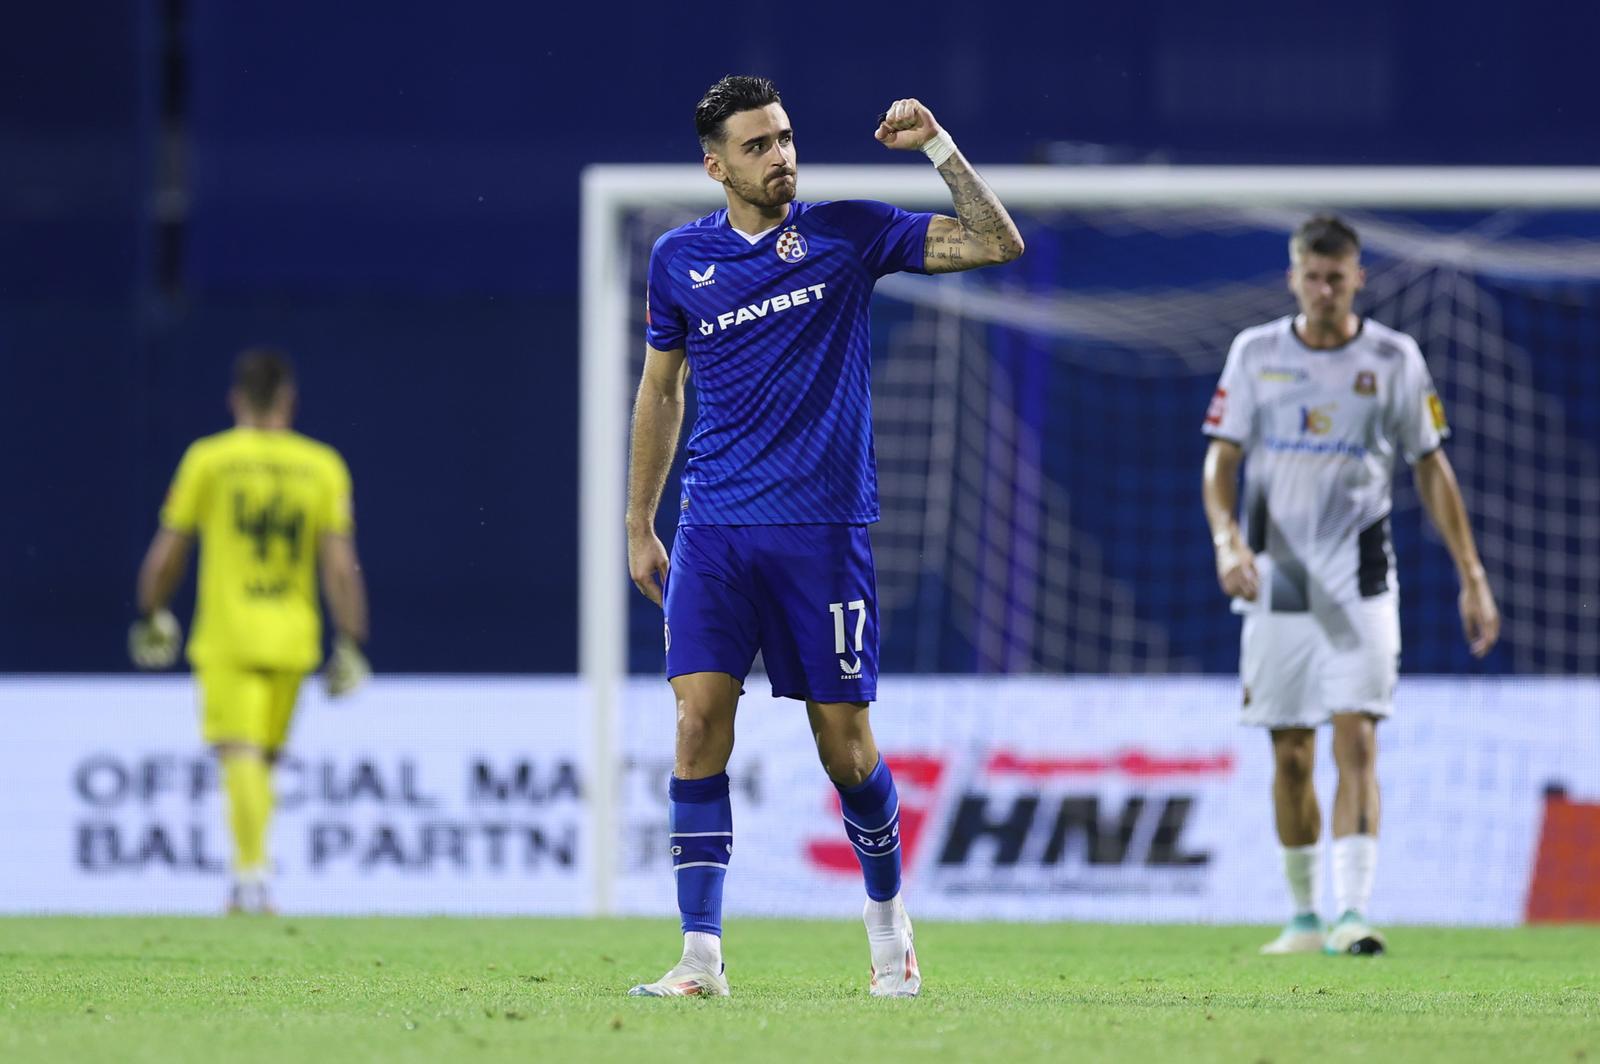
298,991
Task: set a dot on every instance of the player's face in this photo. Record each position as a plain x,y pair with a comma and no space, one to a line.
756,159
1326,285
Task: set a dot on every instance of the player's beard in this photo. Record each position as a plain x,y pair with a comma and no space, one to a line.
1331,318
770,192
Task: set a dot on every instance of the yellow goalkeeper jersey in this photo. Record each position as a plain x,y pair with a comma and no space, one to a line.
259,501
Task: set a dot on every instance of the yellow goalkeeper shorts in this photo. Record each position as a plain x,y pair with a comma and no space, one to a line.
251,706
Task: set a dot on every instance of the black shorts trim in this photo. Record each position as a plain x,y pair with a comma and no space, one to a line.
1372,554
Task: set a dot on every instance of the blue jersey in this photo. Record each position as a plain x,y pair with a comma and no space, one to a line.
776,335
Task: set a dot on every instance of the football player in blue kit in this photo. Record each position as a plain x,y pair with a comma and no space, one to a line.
766,301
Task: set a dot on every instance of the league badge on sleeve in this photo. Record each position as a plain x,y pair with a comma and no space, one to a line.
791,246
1436,411
1218,408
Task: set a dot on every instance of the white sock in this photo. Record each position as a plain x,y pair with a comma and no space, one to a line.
1355,863
883,917
1302,867
703,948
250,887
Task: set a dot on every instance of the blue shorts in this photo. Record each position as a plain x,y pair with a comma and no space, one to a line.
805,596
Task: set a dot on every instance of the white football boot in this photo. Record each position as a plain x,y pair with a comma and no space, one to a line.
894,958
1352,934
250,895
1303,934
686,979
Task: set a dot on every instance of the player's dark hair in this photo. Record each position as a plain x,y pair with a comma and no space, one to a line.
1324,234
734,93
260,375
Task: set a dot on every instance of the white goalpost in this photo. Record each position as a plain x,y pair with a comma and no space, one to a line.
1270,197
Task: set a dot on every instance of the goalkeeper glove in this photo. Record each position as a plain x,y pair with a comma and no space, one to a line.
347,668
153,641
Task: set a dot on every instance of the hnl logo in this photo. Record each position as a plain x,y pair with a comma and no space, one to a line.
1085,822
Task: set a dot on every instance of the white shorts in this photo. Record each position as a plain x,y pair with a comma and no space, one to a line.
1301,668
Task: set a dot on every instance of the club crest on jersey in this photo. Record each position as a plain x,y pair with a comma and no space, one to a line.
791,246
1366,383
702,279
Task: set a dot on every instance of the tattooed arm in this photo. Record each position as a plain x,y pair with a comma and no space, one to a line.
981,233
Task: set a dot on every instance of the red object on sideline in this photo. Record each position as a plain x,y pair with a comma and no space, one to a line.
1566,871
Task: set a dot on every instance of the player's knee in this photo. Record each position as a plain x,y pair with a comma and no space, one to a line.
845,764
1295,770
1295,762
848,753
700,726
1356,753
228,749
1359,756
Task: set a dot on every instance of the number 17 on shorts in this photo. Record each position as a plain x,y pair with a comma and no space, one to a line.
843,643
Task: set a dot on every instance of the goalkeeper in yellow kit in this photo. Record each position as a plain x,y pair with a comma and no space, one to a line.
271,509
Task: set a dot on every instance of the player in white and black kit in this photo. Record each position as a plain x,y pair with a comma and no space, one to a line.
1322,403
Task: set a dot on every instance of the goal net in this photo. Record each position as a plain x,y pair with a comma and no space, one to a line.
1037,425
1037,431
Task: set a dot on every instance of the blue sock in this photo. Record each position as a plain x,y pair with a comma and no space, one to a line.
701,821
872,820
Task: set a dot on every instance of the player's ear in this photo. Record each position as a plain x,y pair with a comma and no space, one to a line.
713,167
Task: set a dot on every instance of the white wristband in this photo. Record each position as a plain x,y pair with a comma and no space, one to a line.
939,149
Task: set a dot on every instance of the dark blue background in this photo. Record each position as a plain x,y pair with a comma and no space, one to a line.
389,191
